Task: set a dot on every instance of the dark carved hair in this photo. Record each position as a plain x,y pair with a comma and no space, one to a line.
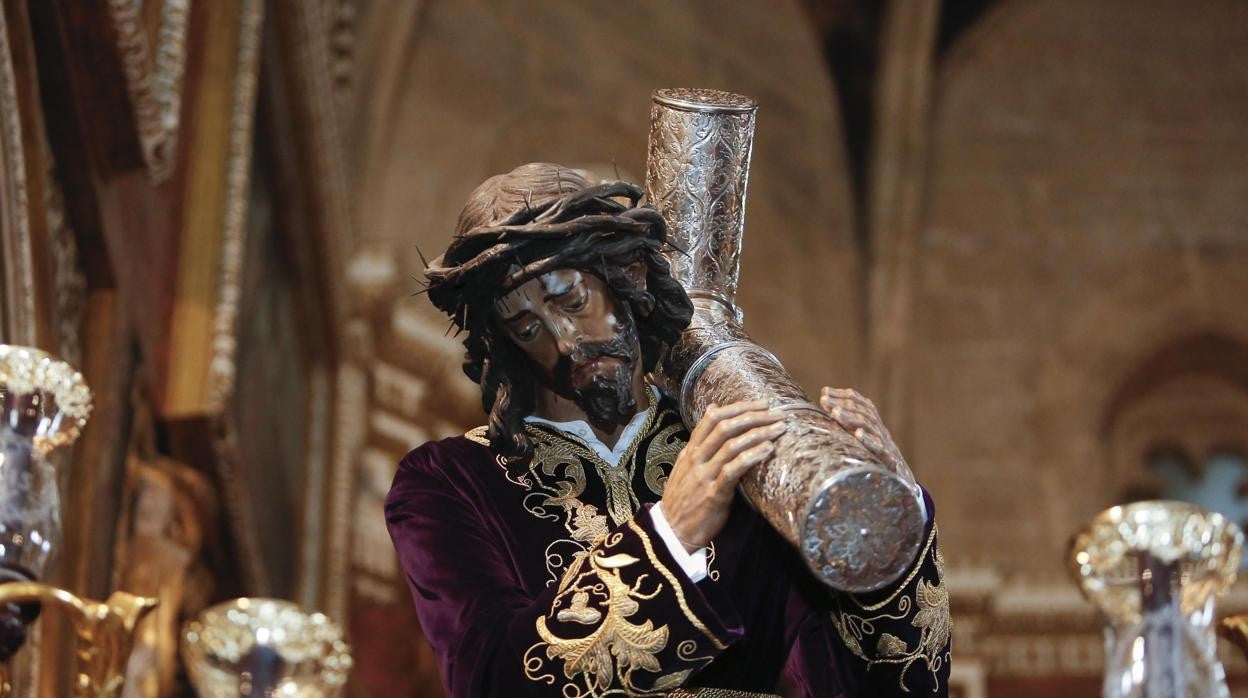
538,218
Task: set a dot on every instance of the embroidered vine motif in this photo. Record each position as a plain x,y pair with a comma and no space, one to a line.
711,572
661,456
619,649
622,501
618,646
718,693
556,477
478,435
557,480
927,610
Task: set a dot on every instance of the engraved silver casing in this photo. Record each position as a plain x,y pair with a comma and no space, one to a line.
857,522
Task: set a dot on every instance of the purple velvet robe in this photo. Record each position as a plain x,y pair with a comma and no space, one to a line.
548,578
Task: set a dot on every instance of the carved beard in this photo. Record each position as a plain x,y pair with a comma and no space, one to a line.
607,399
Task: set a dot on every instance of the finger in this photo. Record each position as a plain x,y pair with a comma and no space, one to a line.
852,422
850,399
738,444
837,410
739,466
853,416
734,426
847,394
841,392
717,413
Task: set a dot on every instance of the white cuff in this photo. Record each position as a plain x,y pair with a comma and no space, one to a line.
693,565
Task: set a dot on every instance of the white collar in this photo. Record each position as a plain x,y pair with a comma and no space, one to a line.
582,431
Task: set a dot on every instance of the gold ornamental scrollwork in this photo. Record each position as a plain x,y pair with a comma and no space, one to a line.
104,633
1235,629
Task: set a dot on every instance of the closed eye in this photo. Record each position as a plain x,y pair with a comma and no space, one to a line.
528,332
577,302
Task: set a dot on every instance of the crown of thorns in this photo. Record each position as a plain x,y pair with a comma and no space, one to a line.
493,259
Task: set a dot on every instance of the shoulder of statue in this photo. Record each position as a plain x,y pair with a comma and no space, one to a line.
446,454
478,435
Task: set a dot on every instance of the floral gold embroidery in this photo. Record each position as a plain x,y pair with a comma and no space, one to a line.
890,646
617,647
927,610
680,595
478,435
613,658
718,693
711,573
661,456
556,478
588,525
579,611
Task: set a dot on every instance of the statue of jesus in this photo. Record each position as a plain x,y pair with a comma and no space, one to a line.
587,542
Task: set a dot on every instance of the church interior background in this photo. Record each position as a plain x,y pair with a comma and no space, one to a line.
1018,225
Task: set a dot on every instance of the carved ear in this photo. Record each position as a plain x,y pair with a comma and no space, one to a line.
636,272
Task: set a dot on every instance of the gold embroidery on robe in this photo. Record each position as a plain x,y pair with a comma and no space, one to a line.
556,480
927,610
618,646
717,693
662,451
604,662
478,435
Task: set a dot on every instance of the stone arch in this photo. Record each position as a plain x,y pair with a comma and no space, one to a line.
1186,403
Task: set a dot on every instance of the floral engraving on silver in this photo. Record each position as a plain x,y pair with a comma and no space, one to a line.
858,522
265,647
696,172
1155,570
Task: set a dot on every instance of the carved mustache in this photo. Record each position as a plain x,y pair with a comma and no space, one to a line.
618,347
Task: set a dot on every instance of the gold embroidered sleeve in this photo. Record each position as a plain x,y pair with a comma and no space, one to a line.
898,640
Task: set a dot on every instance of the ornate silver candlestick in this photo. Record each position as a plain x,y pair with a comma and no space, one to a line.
265,647
858,522
1155,570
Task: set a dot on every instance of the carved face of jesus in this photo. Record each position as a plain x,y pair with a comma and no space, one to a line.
583,344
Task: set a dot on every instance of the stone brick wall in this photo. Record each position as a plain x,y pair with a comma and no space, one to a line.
1085,206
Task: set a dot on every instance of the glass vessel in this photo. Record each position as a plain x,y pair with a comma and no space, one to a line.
1155,570
44,404
265,647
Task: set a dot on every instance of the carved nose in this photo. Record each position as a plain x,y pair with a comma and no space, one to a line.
567,337
566,346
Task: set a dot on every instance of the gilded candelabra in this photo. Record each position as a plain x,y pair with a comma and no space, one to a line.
1235,629
104,633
